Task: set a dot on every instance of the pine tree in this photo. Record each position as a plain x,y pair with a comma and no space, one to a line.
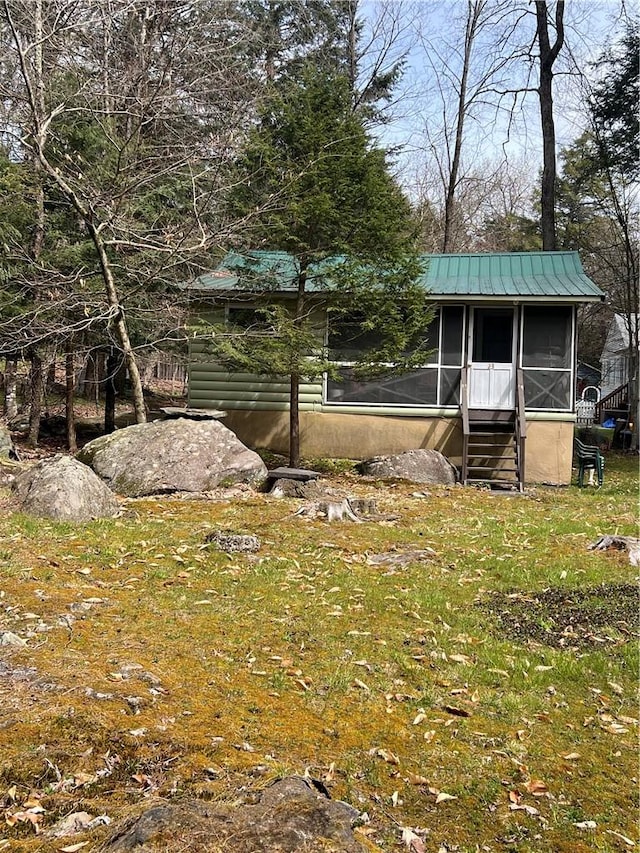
312,184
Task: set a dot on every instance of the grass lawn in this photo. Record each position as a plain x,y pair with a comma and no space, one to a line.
484,695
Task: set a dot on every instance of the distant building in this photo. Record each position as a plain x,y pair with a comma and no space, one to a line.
615,353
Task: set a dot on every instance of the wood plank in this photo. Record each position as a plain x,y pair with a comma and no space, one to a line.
284,473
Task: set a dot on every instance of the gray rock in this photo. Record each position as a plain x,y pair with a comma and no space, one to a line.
290,816
177,455
6,445
8,638
64,489
283,488
417,466
75,823
230,542
9,470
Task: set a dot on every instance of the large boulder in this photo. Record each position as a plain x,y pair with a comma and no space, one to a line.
418,466
64,489
177,455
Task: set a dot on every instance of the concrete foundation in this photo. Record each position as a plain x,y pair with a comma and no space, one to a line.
548,448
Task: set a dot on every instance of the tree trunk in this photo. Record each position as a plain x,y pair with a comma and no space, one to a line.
70,384
294,388
294,421
110,394
548,55
11,386
474,8
51,375
37,387
119,326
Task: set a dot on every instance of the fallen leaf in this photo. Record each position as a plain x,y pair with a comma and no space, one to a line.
413,842
443,797
395,798
628,841
516,807
429,736
330,775
80,779
457,712
361,685
615,729
419,717
585,824
72,848
365,830
536,787
32,816
463,659
615,687
416,779
389,757
571,756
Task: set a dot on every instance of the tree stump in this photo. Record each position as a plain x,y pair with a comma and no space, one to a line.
619,543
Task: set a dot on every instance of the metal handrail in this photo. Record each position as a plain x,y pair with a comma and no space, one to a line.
464,409
521,425
613,400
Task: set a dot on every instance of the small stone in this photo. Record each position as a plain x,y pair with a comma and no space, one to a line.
230,542
8,638
71,824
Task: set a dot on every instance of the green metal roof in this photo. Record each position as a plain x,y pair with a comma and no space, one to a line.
555,276
516,275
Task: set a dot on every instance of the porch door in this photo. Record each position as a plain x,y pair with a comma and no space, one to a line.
492,359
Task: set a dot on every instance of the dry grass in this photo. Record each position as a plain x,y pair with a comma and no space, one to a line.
222,672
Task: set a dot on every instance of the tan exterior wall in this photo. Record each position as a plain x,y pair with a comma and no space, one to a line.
347,436
548,453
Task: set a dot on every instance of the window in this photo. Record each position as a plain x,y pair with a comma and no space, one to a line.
547,357
436,383
243,317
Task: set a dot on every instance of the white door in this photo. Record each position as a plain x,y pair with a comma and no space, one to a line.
492,359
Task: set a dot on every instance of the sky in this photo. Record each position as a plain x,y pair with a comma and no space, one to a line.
428,35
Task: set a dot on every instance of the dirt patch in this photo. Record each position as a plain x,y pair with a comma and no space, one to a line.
590,617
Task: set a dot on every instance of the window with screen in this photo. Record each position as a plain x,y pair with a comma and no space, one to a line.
547,357
436,383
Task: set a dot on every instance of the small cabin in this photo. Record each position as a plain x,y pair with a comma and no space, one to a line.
496,396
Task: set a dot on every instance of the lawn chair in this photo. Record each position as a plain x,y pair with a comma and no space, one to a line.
589,459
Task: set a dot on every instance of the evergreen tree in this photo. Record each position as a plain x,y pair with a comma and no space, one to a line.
312,184
614,105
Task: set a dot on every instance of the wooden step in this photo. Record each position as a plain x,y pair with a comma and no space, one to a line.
501,470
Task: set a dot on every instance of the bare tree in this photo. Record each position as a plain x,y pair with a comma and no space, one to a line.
469,64
132,110
548,55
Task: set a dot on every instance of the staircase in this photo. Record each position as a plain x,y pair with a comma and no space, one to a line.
493,444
